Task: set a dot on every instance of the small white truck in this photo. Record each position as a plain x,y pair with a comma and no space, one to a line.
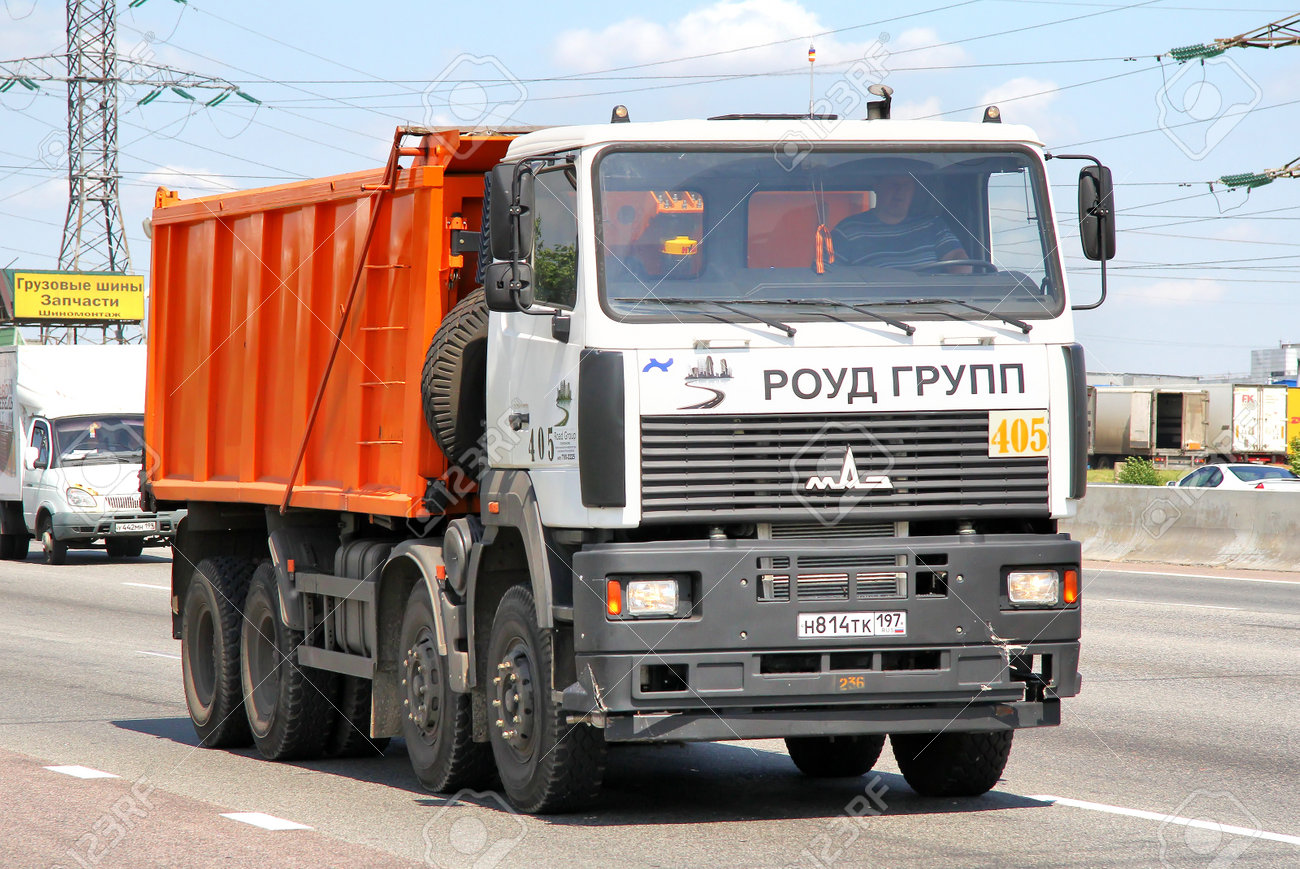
71,451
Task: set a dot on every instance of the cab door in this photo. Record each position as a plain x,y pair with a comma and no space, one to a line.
36,479
533,378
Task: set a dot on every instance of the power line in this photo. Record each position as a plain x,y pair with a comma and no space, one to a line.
1278,34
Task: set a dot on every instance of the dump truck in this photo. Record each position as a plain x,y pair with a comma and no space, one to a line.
71,452
524,446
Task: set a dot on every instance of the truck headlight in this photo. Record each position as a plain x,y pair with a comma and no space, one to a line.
79,497
1034,587
651,597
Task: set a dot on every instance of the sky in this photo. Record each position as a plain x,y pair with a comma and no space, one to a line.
1202,276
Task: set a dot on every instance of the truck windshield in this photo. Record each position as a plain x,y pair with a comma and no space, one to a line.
921,234
84,440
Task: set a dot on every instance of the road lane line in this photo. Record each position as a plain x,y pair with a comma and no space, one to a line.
1170,819
158,654
80,772
1193,575
1199,606
147,585
266,822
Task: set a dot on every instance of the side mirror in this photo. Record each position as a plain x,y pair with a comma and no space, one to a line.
508,286
510,217
1170,483
1097,213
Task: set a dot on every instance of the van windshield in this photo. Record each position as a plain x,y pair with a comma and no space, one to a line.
827,232
84,440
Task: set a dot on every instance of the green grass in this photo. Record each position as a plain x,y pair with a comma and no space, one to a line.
1107,475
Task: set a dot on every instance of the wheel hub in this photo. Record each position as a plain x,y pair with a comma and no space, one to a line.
423,683
514,700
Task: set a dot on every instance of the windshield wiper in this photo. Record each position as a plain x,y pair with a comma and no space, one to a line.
861,309
725,304
1010,321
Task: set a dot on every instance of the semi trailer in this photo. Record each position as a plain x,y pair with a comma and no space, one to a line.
528,445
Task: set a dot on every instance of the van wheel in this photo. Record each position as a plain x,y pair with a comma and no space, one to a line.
210,622
13,547
124,547
56,551
351,736
288,705
834,756
454,382
546,764
952,764
436,721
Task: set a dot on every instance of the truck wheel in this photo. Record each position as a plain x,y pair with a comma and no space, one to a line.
834,756
436,723
124,547
351,737
13,547
56,551
454,383
210,651
288,705
952,764
546,765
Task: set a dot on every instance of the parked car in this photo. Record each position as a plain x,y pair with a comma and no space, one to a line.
1241,476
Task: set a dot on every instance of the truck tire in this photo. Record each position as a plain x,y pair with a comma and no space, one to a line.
834,756
289,706
546,765
210,621
436,723
56,550
124,547
454,382
351,737
952,764
13,547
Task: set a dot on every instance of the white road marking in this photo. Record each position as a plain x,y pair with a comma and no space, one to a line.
1199,606
1194,575
80,772
1171,819
158,654
147,585
266,822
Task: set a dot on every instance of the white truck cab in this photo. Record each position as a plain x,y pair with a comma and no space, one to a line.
71,444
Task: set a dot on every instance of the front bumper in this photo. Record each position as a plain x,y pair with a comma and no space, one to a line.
735,668
74,526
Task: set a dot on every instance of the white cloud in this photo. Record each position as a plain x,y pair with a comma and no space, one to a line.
905,110
1163,294
718,39
190,182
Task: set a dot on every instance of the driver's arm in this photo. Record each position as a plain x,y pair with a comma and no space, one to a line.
956,270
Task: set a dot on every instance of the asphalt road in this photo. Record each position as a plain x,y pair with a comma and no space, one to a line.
1183,750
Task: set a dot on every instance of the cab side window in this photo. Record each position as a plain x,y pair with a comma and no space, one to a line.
41,440
555,250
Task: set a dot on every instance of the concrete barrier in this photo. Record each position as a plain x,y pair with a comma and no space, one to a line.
1202,527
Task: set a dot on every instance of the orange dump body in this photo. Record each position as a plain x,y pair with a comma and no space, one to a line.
248,293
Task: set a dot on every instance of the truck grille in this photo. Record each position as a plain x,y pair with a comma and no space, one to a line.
828,577
758,467
123,502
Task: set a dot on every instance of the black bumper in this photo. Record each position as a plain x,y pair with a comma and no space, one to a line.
735,668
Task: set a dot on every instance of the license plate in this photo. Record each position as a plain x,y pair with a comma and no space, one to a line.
883,624
121,527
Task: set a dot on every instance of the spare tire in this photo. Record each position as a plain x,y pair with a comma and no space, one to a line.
454,384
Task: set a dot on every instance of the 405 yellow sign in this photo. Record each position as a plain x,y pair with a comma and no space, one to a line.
1017,433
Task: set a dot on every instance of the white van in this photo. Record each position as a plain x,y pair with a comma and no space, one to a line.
71,451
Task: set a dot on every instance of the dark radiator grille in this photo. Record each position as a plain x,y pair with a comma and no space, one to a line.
758,466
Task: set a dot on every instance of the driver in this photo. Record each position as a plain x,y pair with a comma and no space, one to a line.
887,236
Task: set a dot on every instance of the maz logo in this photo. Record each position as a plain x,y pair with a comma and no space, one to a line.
849,478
